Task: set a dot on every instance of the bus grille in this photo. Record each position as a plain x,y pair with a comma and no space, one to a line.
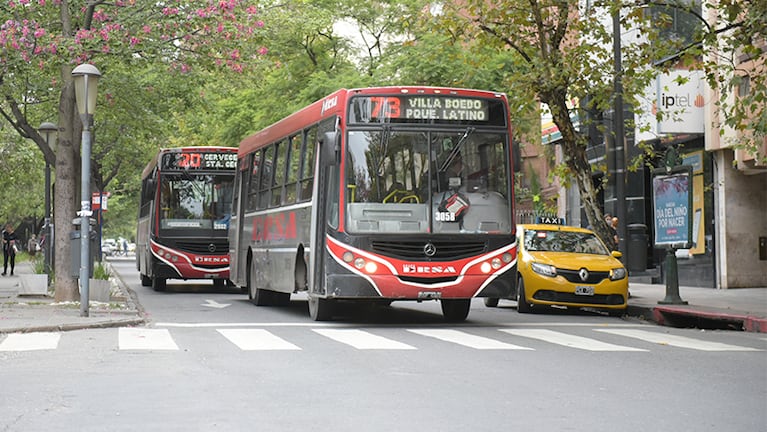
415,249
212,247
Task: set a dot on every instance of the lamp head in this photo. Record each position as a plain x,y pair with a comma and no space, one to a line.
86,78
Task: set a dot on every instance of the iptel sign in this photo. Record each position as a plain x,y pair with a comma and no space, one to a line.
680,97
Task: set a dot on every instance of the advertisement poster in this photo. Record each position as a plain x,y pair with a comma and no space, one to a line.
672,204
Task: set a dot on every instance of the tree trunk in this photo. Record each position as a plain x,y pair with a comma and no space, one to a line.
65,199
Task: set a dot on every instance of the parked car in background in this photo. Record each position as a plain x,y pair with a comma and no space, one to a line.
567,266
108,247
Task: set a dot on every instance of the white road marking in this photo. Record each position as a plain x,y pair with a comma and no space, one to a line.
256,340
363,340
241,324
30,341
568,340
466,339
145,339
677,341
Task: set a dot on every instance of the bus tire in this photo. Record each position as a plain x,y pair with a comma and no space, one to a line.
455,310
320,309
158,284
522,305
491,302
146,280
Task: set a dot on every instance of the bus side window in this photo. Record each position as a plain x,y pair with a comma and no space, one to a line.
264,193
255,177
294,162
306,177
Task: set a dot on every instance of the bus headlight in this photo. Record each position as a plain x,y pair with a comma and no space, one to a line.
496,263
371,267
359,263
506,257
348,257
485,267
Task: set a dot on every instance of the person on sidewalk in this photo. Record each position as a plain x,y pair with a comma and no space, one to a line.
10,246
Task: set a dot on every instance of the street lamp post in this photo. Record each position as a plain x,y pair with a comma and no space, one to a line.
49,130
86,79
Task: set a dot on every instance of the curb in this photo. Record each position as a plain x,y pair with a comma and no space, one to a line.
77,326
685,317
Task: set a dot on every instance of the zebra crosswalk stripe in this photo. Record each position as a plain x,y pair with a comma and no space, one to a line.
468,340
363,340
568,340
256,339
145,339
30,341
674,340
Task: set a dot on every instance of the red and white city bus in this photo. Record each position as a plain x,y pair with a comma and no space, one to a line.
183,222
378,195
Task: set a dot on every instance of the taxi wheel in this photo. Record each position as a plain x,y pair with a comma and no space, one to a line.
491,301
522,305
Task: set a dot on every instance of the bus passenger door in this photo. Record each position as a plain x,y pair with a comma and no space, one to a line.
321,308
237,270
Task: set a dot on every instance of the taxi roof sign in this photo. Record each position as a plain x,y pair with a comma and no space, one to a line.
549,220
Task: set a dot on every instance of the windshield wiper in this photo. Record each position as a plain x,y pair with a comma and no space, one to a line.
457,148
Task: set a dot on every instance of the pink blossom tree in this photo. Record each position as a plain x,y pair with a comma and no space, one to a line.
41,41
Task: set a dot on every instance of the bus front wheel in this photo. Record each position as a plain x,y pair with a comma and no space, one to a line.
158,284
320,309
146,280
455,310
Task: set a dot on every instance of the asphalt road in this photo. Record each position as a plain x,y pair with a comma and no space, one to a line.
210,360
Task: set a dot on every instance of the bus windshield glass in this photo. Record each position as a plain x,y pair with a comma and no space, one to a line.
196,201
410,181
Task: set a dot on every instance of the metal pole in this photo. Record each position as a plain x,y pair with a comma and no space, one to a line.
620,141
672,280
46,224
85,215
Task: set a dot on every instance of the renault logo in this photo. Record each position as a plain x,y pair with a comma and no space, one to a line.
429,250
584,274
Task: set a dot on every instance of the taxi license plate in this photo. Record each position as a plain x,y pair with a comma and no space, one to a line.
584,290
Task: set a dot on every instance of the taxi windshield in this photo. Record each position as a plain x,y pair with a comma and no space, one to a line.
564,241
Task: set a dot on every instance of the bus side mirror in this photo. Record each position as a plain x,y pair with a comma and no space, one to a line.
329,148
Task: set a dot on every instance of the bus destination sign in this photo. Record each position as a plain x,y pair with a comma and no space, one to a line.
199,160
428,108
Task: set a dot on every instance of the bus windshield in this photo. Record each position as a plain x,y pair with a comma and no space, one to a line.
196,201
410,181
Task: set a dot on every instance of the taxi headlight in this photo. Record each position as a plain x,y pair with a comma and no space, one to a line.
618,273
544,269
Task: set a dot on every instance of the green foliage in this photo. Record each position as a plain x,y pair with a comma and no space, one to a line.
100,271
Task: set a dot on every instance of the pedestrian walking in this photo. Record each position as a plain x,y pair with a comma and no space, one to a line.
10,247
32,245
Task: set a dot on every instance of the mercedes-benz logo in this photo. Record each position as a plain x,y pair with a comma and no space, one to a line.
429,250
584,274
211,248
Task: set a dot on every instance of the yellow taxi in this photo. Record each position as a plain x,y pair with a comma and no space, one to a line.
568,266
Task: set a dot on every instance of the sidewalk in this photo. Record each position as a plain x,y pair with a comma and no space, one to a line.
734,309
23,313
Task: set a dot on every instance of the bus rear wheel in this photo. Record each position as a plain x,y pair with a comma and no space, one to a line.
320,309
455,310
